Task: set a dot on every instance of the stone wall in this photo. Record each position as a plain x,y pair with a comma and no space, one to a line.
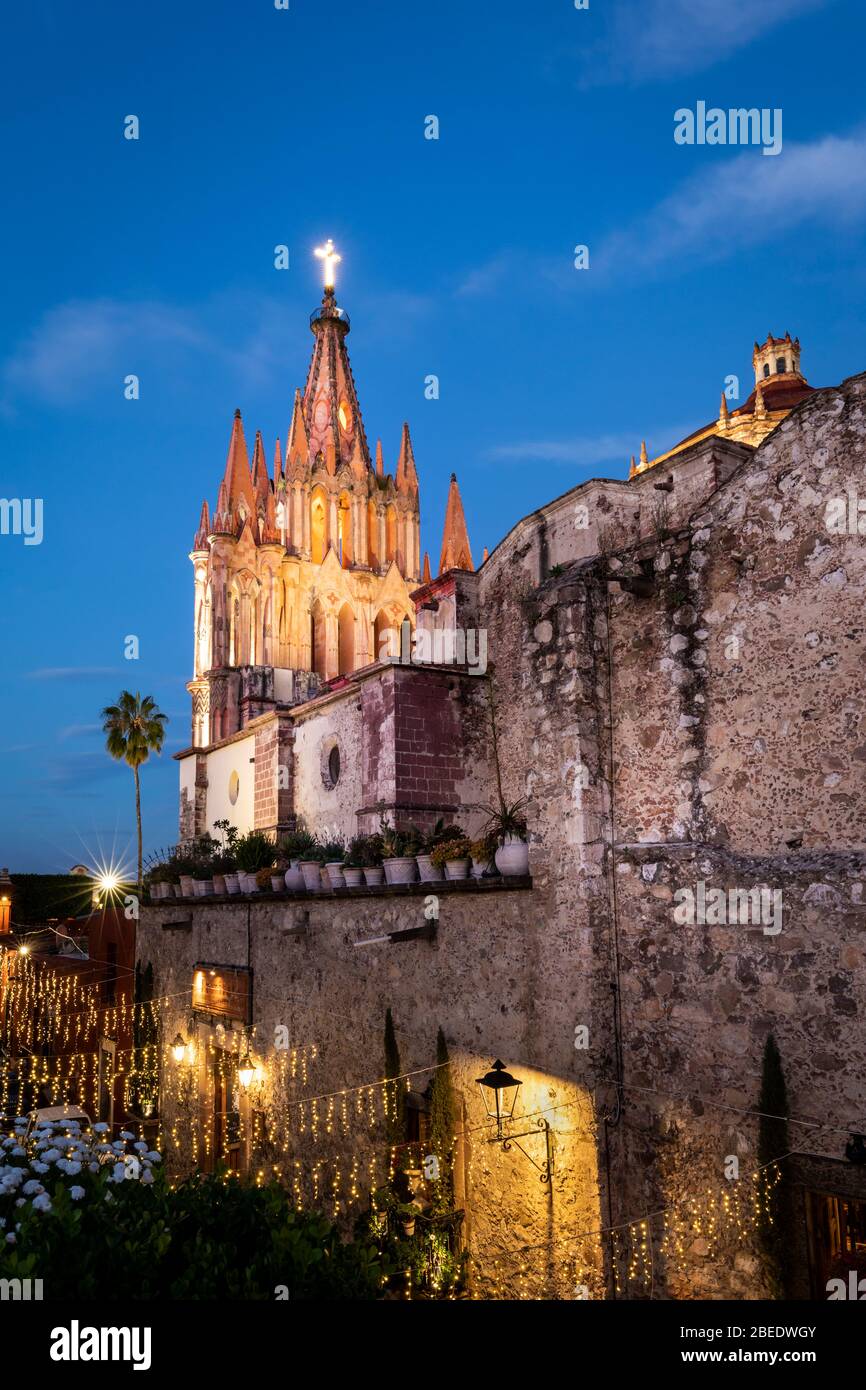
483,979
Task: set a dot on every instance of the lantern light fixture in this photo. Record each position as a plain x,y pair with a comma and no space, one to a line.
246,1068
499,1091
178,1049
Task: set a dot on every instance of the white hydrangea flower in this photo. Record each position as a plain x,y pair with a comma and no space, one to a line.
39,1167
32,1186
100,1127
42,1202
76,1193
147,1176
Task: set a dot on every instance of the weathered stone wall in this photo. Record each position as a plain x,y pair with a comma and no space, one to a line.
483,979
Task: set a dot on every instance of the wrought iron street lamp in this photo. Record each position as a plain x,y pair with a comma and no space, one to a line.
499,1092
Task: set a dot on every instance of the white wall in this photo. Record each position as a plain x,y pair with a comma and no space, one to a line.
234,757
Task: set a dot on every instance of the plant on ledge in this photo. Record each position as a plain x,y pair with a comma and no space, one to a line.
447,851
296,845
255,851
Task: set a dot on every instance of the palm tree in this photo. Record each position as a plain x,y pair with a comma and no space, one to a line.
135,728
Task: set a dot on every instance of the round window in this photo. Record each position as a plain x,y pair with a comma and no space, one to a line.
234,787
334,765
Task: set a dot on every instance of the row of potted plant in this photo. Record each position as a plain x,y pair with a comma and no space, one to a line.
253,863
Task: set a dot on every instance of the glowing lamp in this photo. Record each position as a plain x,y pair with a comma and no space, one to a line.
246,1070
499,1093
178,1048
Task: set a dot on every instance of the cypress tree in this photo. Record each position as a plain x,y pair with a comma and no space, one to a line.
442,1111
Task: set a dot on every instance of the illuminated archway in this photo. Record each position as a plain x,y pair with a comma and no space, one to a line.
346,624
386,637
344,530
372,535
318,525
318,641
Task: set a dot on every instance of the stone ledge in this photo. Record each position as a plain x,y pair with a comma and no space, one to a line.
385,890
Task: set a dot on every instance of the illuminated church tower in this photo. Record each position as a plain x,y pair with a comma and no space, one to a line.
299,572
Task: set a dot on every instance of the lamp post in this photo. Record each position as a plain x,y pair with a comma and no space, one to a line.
499,1092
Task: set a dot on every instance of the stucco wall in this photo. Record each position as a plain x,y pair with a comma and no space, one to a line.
221,763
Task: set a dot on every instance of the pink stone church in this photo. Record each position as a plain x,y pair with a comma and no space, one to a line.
305,579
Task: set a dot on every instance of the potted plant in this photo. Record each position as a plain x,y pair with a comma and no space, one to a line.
232,881
265,880
507,825
202,876
333,852
254,851
454,857
430,872
295,847
311,867
371,857
353,862
482,851
184,867
222,865
399,848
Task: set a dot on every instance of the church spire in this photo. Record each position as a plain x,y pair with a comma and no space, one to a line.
261,482
332,414
407,476
426,577
201,535
456,553
238,483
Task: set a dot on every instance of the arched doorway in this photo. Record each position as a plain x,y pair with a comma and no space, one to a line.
346,624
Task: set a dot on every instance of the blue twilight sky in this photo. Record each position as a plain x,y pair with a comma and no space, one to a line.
261,126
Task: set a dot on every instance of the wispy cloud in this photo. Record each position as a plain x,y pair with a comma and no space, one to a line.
72,673
586,451
484,279
660,39
77,731
746,201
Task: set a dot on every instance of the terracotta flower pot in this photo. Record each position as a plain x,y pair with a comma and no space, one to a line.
278,883
324,879
457,868
374,876
232,884
401,870
312,877
427,870
200,887
219,885
186,886
512,857
354,877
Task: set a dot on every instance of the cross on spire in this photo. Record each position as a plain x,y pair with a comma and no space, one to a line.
330,257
